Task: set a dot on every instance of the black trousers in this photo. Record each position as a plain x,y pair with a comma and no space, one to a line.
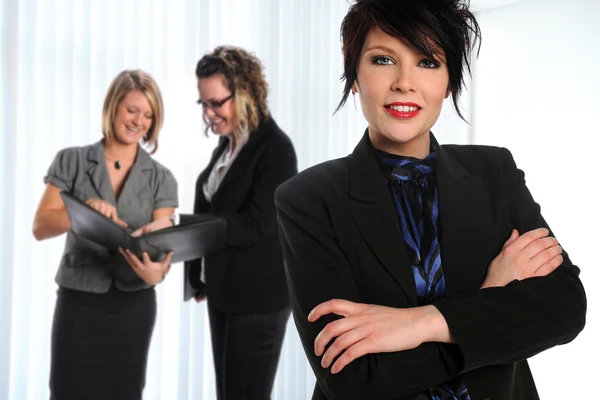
100,344
246,349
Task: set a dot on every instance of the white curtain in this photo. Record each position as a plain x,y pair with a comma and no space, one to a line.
59,56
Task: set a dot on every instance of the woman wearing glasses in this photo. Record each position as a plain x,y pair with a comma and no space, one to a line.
244,284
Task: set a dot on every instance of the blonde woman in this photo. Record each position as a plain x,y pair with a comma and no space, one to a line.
245,284
106,306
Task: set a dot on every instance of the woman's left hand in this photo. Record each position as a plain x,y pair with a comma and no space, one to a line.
150,272
161,223
368,329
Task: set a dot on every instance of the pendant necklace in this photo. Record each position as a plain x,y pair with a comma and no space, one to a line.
117,164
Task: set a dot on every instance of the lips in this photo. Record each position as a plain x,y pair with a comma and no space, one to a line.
403,110
217,123
131,130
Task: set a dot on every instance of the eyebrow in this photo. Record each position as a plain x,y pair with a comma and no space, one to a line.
439,56
380,47
139,109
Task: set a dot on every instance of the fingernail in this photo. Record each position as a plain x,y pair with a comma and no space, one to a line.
334,370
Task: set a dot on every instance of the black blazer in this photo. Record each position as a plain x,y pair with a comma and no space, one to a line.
248,275
341,239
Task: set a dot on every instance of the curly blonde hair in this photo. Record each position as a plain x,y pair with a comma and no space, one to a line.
244,77
124,83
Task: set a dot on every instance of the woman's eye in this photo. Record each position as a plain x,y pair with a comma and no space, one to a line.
381,60
429,64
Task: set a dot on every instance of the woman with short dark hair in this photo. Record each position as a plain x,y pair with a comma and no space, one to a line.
420,271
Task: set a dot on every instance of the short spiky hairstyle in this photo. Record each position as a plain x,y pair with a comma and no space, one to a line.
244,77
431,26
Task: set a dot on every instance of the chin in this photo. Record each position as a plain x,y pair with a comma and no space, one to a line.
129,139
222,131
399,137
403,138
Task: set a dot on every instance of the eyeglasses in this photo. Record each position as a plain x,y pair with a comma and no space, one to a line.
212,104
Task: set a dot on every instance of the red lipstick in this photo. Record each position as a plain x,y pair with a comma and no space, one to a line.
402,114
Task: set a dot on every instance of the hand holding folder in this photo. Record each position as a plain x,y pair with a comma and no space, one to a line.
188,241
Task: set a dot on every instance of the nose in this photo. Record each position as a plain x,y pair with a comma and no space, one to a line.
137,120
404,81
209,112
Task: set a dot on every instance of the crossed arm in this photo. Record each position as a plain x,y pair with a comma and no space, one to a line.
370,329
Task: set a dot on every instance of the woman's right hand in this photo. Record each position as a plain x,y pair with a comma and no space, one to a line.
151,272
524,256
105,209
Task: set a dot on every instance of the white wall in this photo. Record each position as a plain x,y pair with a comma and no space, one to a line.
535,91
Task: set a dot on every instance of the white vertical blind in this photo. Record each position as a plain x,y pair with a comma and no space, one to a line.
58,58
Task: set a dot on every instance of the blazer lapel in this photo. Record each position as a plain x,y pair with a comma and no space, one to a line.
200,203
137,179
241,162
98,173
466,224
373,211
221,146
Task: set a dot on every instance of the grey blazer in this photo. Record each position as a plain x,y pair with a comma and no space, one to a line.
82,171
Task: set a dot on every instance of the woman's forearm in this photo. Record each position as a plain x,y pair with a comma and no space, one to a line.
434,325
51,223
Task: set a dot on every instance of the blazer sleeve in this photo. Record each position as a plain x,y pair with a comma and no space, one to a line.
257,217
512,323
317,270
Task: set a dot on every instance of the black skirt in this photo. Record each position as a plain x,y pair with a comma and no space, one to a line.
100,344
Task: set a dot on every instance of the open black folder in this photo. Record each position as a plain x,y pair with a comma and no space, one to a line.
188,241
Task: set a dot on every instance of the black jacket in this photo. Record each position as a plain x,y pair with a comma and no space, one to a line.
341,239
248,275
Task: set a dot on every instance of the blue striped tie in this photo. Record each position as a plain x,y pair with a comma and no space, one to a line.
415,196
416,201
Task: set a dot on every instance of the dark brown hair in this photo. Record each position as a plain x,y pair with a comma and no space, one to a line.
440,29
